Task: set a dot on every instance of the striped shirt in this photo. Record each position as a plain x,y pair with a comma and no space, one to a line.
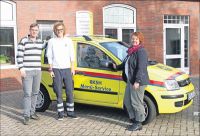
29,54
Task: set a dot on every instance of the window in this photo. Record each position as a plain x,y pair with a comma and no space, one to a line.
46,29
186,47
119,49
176,19
119,15
173,38
8,35
7,55
119,21
6,11
111,32
126,35
92,57
176,41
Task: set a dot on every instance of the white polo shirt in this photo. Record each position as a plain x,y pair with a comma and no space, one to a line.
60,52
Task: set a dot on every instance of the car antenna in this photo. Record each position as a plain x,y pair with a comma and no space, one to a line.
87,38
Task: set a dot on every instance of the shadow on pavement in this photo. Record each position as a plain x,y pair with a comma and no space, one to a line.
11,113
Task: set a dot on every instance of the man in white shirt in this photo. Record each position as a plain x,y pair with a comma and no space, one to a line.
60,53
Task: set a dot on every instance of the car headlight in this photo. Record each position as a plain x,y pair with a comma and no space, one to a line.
171,85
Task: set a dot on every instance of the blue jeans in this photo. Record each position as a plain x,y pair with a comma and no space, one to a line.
31,86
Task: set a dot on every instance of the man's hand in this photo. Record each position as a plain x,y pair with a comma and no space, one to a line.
136,86
72,68
52,74
23,73
51,71
73,71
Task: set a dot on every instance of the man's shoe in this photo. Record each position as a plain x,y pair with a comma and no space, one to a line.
26,120
34,116
132,120
72,115
60,116
135,127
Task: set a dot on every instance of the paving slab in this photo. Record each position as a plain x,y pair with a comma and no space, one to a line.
93,120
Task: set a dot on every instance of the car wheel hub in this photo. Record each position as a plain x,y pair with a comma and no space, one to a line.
40,100
146,109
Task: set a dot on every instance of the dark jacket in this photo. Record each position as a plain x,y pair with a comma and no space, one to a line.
137,67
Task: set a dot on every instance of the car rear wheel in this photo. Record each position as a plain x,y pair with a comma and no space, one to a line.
43,100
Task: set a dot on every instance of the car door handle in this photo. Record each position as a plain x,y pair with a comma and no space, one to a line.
79,73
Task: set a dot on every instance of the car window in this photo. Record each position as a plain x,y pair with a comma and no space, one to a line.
119,49
89,56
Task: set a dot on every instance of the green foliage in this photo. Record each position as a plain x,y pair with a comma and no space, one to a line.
4,59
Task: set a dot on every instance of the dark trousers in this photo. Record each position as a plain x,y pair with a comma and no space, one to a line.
66,76
133,101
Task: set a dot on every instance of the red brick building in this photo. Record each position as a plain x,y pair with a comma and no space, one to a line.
171,28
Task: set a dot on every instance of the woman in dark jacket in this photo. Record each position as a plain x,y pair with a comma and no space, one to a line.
136,76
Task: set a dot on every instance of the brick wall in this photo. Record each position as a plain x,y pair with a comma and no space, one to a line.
149,20
10,80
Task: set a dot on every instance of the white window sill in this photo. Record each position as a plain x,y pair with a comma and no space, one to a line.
8,66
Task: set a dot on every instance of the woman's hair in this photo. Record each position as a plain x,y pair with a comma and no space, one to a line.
139,35
59,24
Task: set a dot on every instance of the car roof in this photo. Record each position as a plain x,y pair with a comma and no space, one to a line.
93,38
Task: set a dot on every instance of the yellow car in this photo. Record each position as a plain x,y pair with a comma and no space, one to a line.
96,83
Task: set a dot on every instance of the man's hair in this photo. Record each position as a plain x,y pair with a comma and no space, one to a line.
59,24
139,35
34,25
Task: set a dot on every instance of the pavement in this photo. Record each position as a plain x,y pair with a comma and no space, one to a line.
94,120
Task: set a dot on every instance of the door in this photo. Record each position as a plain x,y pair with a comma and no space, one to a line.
176,47
93,80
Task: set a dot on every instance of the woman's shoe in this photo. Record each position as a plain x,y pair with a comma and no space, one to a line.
135,126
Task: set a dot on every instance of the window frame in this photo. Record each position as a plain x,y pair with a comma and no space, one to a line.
184,21
119,27
46,24
12,24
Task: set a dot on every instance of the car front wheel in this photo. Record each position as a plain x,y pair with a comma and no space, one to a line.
43,100
150,110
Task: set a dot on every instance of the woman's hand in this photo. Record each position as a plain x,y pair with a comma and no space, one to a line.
114,66
136,86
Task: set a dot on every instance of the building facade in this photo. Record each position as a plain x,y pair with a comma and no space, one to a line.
171,28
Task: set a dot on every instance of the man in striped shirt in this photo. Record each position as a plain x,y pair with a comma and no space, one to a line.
29,52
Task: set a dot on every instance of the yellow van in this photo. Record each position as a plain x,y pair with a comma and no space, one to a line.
96,83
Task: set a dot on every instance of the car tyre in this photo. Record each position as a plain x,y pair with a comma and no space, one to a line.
150,110
43,100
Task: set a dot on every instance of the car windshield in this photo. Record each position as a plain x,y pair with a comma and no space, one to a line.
117,48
